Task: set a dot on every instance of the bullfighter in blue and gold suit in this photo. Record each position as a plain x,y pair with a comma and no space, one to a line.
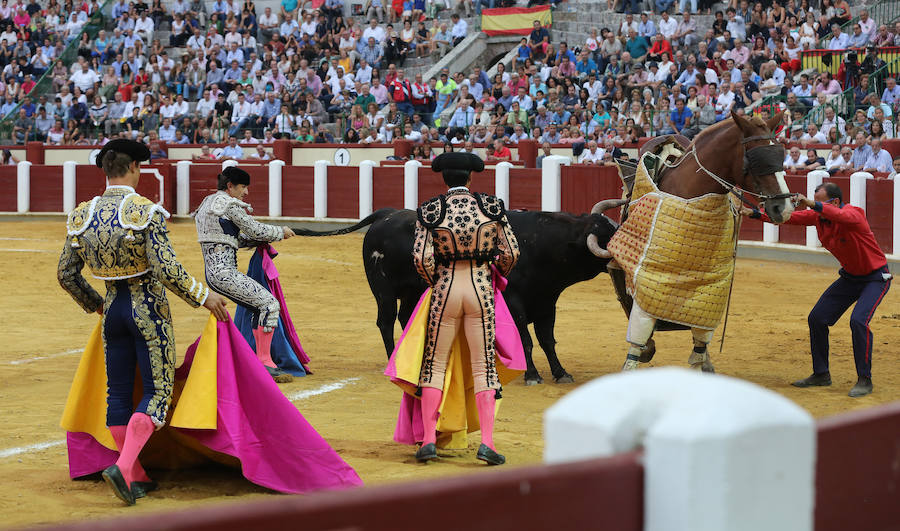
122,237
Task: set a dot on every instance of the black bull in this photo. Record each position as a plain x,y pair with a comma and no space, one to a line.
554,255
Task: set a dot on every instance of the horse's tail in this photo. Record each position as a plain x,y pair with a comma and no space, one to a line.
368,220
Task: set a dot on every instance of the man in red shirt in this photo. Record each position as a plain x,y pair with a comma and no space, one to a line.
864,279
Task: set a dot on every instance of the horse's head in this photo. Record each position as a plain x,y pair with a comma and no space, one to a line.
764,164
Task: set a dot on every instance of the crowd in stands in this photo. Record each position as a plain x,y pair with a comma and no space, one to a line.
313,75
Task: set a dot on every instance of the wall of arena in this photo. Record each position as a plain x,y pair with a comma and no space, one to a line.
306,182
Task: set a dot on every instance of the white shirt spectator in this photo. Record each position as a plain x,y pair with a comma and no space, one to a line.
460,29
232,37
377,33
588,157
364,75
414,136
818,138
268,20
84,79
789,161
144,27
625,29
167,111
309,28
204,107
182,108
241,111
167,134
180,6
667,27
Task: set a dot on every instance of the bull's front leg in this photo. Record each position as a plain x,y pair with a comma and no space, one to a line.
699,358
532,376
543,329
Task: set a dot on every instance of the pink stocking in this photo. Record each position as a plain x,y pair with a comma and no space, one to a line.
138,432
486,400
431,401
118,433
264,346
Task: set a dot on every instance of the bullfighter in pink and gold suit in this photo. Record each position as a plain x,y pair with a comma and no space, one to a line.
459,236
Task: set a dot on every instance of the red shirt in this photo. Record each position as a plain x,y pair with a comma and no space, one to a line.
845,232
503,153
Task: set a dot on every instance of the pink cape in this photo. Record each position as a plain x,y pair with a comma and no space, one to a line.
510,354
268,252
277,448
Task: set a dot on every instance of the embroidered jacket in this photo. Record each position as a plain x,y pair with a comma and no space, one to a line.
224,219
460,225
121,235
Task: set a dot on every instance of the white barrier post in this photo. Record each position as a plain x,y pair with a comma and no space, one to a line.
501,181
69,185
366,188
275,169
551,193
770,233
23,186
746,462
320,189
858,188
813,180
183,187
896,249
229,162
411,184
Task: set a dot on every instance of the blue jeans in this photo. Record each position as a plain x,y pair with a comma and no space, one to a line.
682,5
664,5
486,3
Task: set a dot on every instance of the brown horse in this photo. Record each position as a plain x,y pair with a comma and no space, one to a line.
737,156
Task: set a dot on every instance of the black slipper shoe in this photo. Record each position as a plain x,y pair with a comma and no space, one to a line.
114,478
489,456
426,453
141,488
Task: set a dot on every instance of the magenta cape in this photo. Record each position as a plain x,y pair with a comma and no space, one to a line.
458,412
287,352
254,427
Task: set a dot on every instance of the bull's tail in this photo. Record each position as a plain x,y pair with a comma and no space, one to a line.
368,220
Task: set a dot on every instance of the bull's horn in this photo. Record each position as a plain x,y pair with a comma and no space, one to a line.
594,246
606,204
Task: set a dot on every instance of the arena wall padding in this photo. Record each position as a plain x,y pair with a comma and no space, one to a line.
258,193
596,494
343,192
297,191
858,470
387,187
9,182
582,186
90,181
524,189
880,212
46,194
203,182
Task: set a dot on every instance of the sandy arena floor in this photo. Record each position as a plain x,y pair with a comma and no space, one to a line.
334,313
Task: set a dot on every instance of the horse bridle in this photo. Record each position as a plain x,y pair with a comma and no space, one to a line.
758,161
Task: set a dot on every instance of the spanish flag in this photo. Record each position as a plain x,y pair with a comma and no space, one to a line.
514,20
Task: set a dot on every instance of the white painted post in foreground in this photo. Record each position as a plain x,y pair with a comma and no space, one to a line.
551,192
719,453
813,180
183,187
501,181
23,186
320,189
411,184
275,169
366,188
229,162
770,233
858,188
69,185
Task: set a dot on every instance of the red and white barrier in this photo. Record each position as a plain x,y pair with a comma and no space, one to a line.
276,168
501,181
320,189
366,190
23,186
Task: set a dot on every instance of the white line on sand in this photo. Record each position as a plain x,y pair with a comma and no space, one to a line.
326,260
9,238
27,251
46,357
327,388
10,452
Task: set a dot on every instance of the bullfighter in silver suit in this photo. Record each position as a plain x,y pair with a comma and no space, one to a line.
223,226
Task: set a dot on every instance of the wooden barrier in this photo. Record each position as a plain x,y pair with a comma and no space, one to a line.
9,183
584,185
596,494
858,470
297,191
524,189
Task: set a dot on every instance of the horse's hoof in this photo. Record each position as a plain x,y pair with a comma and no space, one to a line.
648,352
564,379
708,367
630,365
533,381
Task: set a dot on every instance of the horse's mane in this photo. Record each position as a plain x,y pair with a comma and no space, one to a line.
713,129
